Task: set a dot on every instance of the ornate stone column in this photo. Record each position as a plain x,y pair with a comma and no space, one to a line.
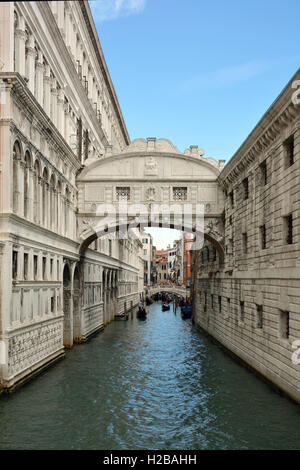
46,83
39,92
20,39
30,63
54,101
60,111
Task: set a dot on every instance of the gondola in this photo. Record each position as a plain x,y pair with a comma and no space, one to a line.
186,311
149,301
165,307
141,313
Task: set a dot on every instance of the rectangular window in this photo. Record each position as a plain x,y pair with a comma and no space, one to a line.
262,234
25,266
246,188
51,267
145,252
242,310
220,303
35,266
231,198
123,193
58,269
44,267
259,316
14,264
228,306
288,229
284,324
288,145
52,303
205,302
212,301
263,173
245,242
179,193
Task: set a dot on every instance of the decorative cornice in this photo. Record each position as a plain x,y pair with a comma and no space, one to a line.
102,63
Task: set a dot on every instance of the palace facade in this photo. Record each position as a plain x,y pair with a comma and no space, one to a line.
58,113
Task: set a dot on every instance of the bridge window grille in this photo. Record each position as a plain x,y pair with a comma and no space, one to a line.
220,303
289,151
284,324
231,197
212,301
123,193
179,194
205,302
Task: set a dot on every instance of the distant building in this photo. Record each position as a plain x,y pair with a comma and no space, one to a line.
147,242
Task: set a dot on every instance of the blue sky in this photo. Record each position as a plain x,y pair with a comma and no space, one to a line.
198,72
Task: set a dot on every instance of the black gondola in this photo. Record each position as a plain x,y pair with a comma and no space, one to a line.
141,313
165,307
186,311
149,301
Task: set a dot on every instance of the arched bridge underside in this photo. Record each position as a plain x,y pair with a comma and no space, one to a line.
150,183
182,291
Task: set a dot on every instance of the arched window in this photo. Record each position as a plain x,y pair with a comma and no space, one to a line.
52,203
36,193
27,184
44,197
16,162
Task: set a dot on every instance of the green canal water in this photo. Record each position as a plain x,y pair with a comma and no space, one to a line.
154,384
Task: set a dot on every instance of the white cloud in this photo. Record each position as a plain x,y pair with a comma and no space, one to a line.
104,10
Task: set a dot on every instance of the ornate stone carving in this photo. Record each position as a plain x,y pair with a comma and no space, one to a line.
151,167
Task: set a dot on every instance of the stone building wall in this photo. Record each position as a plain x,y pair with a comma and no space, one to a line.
58,113
248,297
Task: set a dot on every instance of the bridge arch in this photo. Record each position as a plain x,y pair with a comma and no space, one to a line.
147,175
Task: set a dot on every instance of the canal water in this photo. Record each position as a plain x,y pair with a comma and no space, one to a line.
154,384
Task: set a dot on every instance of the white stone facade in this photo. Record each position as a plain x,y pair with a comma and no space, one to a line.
58,113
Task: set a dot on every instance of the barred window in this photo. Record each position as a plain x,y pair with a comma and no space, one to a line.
123,193
259,316
220,303
246,188
179,193
289,151
245,242
284,324
263,239
242,310
263,173
288,229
